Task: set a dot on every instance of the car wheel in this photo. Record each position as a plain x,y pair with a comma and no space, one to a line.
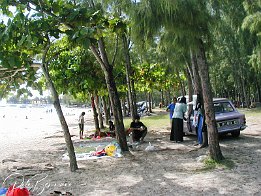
235,133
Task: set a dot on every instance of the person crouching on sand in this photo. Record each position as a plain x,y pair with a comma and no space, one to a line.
138,129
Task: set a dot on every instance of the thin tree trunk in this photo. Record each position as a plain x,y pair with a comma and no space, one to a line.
196,78
162,97
134,98
106,111
214,148
150,102
57,106
190,90
123,107
98,107
95,114
128,77
181,88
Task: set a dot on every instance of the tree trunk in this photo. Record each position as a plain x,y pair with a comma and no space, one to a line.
134,98
198,91
162,97
195,76
150,103
107,68
123,107
106,111
95,114
190,94
128,77
57,106
98,107
214,148
181,88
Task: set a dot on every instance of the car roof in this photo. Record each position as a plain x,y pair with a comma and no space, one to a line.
219,99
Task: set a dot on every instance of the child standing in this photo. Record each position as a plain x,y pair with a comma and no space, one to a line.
81,124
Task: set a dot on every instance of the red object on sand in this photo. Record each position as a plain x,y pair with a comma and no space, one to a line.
13,191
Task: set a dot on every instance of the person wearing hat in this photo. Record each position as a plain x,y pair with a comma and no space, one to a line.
138,129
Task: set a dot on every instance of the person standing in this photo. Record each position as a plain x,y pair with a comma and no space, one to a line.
81,124
171,108
177,121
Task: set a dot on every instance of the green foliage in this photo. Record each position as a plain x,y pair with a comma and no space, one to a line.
74,69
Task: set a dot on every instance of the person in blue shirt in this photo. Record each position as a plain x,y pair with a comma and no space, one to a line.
171,108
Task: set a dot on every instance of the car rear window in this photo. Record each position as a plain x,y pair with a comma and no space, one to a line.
223,107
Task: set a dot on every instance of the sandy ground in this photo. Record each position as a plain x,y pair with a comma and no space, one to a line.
35,157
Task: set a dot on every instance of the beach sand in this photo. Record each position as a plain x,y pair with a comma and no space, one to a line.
31,151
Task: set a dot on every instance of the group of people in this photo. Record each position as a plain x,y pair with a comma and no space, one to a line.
176,110
137,128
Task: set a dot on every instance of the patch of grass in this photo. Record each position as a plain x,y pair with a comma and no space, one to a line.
150,121
225,164
251,112
84,149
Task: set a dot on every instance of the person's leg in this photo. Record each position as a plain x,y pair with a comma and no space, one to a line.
81,130
173,127
133,136
136,135
179,132
200,127
144,133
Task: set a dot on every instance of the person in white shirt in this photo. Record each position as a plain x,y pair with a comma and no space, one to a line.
176,134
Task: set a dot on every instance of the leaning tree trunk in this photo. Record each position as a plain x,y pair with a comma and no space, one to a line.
214,148
107,68
57,106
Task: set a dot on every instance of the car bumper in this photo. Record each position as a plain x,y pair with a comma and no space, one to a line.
231,129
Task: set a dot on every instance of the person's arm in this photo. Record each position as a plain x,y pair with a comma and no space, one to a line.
184,111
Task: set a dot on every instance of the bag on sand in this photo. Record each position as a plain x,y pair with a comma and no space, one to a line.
16,191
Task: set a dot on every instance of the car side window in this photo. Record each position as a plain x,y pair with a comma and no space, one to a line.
227,107
218,108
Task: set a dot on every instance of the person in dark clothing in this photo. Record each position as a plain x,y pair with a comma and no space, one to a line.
111,126
177,121
111,131
138,129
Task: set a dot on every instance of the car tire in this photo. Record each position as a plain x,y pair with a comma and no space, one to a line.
235,133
